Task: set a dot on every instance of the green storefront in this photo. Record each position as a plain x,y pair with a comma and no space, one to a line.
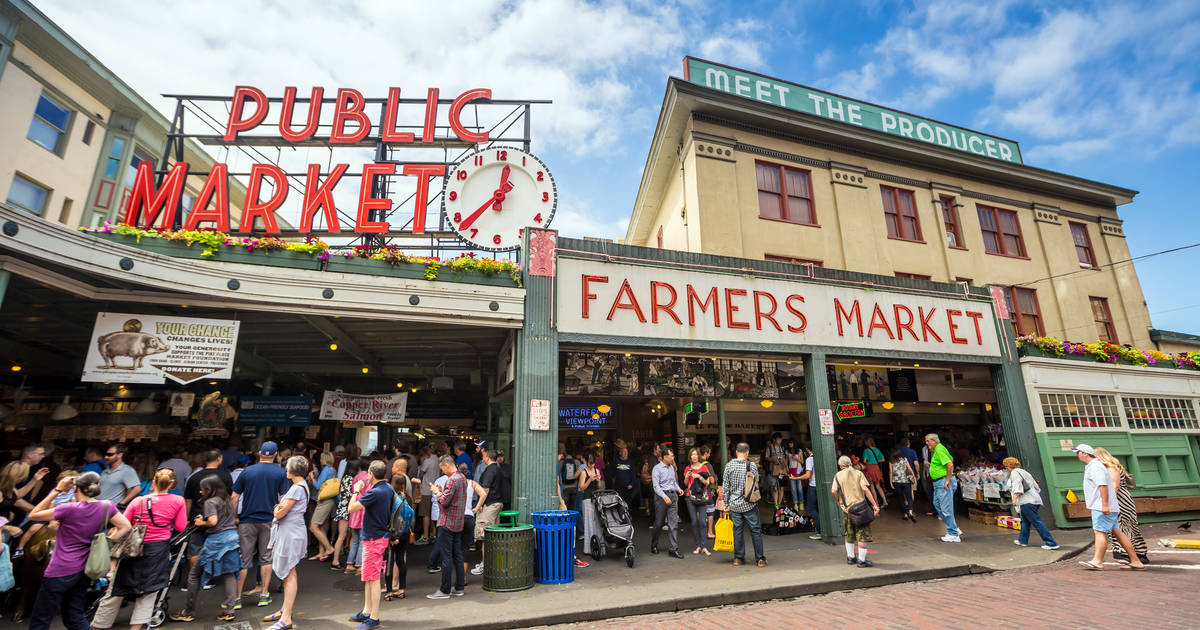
1145,416
590,296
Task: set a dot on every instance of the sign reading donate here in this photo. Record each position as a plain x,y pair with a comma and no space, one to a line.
826,105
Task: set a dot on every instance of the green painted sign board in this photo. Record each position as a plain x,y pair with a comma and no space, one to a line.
833,107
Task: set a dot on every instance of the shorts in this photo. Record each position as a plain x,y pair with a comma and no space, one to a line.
773,483
323,511
1102,522
255,537
425,507
372,558
195,541
488,516
856,534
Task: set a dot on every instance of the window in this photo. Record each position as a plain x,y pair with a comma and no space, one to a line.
913,276
1105,330
793,260
660,232
1025,311
65,213
1080,411
1083,245
88,131
962,280
900,214
954,237
1001,232
49,125
113,164
1161,413
784,193
27,195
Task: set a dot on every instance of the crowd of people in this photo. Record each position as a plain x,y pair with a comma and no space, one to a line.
243,522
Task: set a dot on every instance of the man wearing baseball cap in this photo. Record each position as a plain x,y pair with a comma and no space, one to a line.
1100,496
259,487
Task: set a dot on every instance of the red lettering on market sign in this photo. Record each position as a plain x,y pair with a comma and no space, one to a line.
152,205
890,316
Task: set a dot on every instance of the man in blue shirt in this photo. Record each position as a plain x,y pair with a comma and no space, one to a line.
259,487
376,504
461,457
667,491
95,462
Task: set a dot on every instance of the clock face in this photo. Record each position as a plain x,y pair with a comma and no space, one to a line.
493,194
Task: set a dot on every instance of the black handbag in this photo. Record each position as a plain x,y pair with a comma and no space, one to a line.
860,514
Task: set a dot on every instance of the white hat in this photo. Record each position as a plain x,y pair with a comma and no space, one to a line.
1084,448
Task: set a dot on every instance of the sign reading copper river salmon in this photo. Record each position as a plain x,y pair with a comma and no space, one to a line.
364,408
129,348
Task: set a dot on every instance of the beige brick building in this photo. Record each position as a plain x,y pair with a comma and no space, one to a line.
732,173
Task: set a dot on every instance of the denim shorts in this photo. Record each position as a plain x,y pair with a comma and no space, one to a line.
1102,522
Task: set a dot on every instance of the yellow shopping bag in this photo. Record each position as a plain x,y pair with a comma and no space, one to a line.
724,531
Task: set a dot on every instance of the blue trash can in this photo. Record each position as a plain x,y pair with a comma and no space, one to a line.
555,545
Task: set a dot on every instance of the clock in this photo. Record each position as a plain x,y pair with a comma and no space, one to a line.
493,194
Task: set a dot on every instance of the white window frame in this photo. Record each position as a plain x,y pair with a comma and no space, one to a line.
1125,425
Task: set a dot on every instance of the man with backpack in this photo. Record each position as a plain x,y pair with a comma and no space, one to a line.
376,505
568,476
741,494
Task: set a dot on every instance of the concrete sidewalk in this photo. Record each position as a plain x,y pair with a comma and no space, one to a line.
658,583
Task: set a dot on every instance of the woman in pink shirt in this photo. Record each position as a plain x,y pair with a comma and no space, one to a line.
354,559
143,577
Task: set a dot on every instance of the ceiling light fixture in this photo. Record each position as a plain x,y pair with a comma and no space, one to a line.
147,405
64,411
365,369
333,346
16,367
767,404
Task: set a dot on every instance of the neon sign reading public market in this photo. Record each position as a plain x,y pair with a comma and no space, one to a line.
249,108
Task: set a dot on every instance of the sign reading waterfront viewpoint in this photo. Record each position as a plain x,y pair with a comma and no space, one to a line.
587,417
699,307
129,348
826,105
344,407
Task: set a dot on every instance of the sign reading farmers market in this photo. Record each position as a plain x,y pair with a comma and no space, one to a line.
488,197
129,348
648,302
809,101
344,407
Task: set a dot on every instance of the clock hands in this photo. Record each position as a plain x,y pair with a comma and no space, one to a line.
497,198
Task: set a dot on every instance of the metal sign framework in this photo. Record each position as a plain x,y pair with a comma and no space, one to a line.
512,125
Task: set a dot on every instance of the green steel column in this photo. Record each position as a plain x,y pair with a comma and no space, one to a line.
1012,405
268,386
4,276
824,450
721,437
536,365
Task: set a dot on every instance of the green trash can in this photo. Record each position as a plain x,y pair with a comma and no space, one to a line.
508,555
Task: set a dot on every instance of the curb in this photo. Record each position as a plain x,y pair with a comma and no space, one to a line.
787,591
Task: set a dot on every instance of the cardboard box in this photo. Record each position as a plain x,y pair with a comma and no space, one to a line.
1008,522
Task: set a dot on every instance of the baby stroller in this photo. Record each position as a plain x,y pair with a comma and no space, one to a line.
178,559
614,526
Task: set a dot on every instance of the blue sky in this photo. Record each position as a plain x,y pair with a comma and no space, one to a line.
1104,90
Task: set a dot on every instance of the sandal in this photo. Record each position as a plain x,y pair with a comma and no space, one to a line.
279,625
387,597
275,616
1091,566
182,616
226,616
706,551
1137,567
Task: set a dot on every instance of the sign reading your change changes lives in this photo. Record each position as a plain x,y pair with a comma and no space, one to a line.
128,348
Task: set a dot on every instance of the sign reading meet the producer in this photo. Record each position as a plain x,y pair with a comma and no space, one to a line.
804,99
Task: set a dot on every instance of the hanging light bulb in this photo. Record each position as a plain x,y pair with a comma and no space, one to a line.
365,369
147,405
16,367
333,346
767,403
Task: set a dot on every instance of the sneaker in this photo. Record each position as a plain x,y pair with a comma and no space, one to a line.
865,564
210,586
438,594
581,564
433,570
264,600
237,605
949,538
458,592
851,560
814,537
18,553
226,615
478,570
1049,547
368,624
358,617
762,562
1019,543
